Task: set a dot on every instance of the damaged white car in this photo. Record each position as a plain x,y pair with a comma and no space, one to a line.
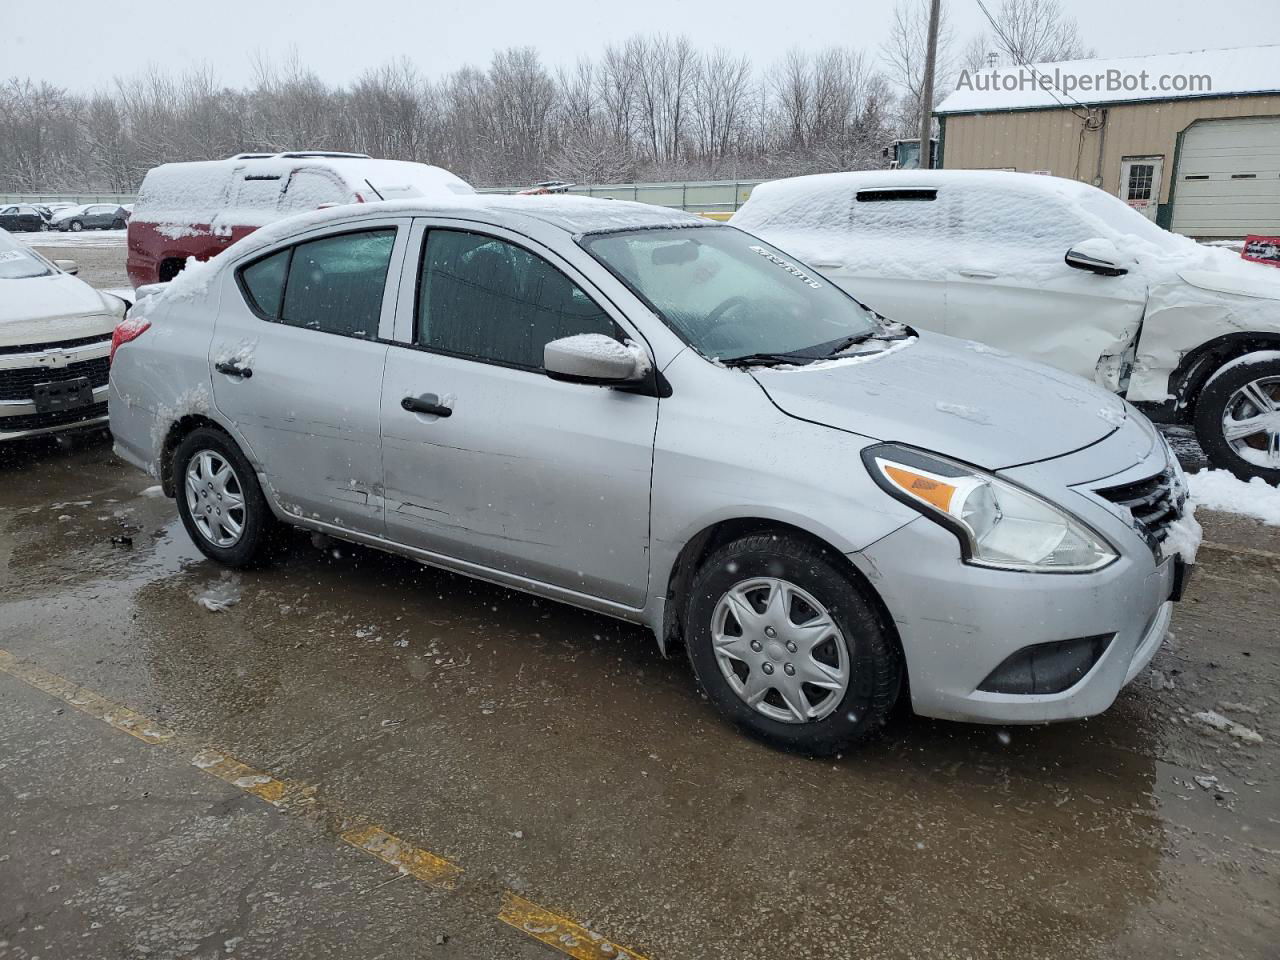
1058,271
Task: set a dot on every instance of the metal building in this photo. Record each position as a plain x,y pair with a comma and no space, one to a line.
1190,139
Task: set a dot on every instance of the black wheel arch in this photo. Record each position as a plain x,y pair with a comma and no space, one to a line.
179,430
1195,369
708,540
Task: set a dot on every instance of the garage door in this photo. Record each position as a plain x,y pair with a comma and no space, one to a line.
1228,178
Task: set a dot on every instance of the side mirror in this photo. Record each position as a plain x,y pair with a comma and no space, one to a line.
1097,256
592,358
67,266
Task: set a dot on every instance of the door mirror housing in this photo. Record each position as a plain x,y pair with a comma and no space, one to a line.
67,266
1097,256
594,358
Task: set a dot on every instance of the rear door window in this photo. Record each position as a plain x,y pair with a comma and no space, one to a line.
485,299
334,284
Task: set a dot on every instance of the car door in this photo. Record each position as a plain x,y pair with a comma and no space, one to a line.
892,254
1010,287
298,363
29,218
533,478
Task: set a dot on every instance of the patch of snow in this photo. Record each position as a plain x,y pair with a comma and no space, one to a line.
221,595
1216,720
1222,490
977,347
1112,415
1183,536
963,412
155,491
864,352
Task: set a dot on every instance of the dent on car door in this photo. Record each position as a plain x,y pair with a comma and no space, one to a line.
497,465
1009,286
297,367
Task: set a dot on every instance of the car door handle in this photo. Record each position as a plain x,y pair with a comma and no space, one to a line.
231,370
979,274
427,403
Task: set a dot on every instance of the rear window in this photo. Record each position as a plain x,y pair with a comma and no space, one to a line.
183,192
264,283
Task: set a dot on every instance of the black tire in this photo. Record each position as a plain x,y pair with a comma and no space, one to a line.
1212,406
76,226
117,224
259,525
168,270
875,666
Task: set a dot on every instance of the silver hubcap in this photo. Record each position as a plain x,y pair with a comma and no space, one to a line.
215,498
779,650
1251,422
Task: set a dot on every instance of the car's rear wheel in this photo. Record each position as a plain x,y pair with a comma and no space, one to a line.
117,225
788,647
76,226
1238,418
220,501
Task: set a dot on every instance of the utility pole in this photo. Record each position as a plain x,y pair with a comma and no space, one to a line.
926,91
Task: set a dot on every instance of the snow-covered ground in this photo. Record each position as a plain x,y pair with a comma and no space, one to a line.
86,238
1220,490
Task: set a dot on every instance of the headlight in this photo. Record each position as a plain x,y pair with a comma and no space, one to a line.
998,524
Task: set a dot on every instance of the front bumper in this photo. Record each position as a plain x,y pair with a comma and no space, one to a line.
959,622
20,370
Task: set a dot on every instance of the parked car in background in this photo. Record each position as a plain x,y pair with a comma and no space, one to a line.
1058,271
91,216
198,209
55,337
640,412
22,218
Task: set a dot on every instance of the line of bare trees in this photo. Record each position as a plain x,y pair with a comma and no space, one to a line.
651,108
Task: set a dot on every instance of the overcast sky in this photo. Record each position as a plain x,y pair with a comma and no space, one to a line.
82,44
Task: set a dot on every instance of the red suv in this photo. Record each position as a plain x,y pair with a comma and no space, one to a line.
199,209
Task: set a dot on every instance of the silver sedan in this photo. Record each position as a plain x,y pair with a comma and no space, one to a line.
669,421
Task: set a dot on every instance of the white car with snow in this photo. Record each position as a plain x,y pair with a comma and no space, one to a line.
55,340
1058,271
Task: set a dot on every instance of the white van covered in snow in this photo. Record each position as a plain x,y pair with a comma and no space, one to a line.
198,209
1058,271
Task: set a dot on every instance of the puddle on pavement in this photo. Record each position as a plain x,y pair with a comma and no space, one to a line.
464,714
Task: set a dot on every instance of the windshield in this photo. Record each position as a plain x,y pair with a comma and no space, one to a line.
18,261
730,295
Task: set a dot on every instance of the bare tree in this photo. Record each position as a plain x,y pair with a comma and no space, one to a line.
1033,31
904,56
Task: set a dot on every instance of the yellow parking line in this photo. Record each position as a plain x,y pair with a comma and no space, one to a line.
86,701
425,866
559,932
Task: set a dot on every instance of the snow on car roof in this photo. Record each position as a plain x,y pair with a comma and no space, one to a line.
1240,70
591,214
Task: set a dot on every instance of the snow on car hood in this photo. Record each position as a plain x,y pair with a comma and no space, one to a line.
50,308
953,397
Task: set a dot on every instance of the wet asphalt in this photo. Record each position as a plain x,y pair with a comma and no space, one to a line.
553,754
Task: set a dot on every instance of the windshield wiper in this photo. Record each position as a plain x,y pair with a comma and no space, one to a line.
842,345
765,359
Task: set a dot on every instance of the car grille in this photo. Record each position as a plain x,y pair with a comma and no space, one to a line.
17,384
55,345
1154,503
37,421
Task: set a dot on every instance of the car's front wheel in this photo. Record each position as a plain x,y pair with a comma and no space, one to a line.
76,226
117,225
220,501
787,646
1238,417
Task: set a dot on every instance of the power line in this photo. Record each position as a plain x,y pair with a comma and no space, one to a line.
1046,86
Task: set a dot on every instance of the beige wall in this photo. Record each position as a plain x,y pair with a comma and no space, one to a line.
1051,139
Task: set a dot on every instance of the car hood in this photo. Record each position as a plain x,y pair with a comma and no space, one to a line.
51,308
954,397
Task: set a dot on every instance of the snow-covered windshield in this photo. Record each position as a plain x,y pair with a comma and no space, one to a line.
1124,221
731,295
18,262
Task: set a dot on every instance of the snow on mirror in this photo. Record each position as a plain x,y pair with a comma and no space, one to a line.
593,357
